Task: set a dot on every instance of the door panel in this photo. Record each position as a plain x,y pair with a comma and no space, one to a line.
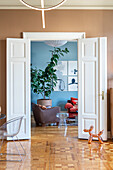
89,78
89,88
18,83
17,71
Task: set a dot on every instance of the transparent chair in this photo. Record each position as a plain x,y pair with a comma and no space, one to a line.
11,129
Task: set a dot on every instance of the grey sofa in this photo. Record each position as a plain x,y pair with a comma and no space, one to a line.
47,116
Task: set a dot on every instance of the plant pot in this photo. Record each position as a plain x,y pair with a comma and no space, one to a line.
45,102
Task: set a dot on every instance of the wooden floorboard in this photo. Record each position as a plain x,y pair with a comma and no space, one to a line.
48,149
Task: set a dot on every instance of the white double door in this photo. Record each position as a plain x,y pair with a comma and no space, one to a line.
92,82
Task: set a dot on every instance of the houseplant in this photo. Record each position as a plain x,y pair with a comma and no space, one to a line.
44,81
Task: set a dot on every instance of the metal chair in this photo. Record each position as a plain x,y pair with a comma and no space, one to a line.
11,129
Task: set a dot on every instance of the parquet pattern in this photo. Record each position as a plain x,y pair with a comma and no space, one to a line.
48,149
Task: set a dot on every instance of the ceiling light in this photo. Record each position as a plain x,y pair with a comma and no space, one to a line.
56,43
42,9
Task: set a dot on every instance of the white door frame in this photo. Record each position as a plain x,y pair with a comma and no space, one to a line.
42,36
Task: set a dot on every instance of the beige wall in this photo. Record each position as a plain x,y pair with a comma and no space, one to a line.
95,23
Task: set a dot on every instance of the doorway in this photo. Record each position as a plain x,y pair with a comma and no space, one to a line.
66,90
89,51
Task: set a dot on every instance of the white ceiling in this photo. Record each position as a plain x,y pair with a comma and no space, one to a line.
70,4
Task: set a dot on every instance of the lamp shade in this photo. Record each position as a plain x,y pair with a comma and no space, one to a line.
56,43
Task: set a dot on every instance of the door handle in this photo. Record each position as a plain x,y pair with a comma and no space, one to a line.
102,95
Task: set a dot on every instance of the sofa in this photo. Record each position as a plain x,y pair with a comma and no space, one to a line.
45,116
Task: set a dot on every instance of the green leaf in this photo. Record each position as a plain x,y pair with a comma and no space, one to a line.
44,81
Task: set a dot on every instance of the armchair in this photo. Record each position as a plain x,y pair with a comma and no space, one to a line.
45,116
72,107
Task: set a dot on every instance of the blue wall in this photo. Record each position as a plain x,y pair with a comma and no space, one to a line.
40,56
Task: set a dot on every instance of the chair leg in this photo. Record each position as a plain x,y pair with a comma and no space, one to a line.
65,130
21,147
21,159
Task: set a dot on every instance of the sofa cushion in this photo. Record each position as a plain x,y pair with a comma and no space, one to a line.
42,107
72,98
68,105
73,109
74,101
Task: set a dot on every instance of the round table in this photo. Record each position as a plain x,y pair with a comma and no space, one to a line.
63,117
2,116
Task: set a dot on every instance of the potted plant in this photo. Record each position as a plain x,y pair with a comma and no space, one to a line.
44,81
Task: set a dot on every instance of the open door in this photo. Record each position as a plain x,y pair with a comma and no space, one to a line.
18,84
92,83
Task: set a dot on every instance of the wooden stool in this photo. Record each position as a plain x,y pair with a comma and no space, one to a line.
94,135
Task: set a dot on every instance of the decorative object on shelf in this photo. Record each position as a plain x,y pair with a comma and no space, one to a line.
42,9
44,81
56,43
94,135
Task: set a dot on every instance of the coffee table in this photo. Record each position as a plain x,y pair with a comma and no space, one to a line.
63,117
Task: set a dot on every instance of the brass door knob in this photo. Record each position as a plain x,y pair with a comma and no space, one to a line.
102,95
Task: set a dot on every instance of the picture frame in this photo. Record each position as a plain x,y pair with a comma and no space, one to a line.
72,68
72,83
